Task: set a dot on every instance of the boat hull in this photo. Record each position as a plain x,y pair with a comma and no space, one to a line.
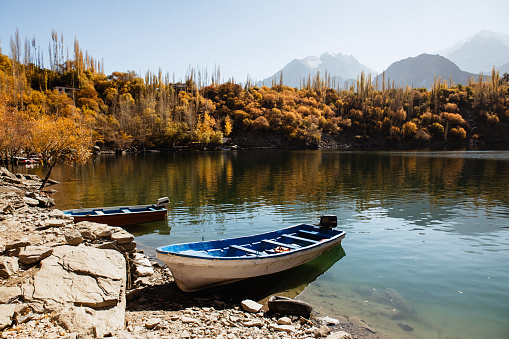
114,216
192,272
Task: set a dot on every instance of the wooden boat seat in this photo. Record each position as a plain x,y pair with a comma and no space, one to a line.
125,210
247,250
277,243
99,212
316,235
294,237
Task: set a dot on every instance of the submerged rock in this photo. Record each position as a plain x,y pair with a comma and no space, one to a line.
287,306
406,327
361,323
396,300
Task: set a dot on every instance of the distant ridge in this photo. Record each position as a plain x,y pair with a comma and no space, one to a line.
466,58
480,52
503,69
420,72
338,67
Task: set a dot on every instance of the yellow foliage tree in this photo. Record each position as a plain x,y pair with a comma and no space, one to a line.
60,139
228,126
409,129
13,129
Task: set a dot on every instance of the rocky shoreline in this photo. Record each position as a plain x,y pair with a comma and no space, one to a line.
88,280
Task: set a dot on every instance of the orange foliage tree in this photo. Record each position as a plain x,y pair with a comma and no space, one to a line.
60,139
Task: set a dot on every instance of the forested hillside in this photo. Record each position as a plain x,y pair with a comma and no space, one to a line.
123,109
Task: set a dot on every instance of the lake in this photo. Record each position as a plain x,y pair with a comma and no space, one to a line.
427,248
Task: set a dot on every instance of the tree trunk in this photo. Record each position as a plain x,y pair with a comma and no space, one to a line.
47,175
446,130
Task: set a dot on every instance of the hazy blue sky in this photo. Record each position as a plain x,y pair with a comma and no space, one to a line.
254,38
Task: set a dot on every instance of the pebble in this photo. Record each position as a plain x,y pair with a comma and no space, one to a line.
282,328
189,320
339,335
284,321
254,323
152,323
251,306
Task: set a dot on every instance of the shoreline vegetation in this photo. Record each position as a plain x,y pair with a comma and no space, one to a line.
60,113
51,285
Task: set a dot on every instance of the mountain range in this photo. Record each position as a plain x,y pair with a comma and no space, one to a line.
480,52
338,66
463,60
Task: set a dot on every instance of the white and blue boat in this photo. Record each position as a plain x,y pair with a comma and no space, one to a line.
205,264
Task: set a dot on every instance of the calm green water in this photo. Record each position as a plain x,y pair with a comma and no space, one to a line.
427,241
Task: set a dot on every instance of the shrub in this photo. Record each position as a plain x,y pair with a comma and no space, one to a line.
458,133
260,124
436,129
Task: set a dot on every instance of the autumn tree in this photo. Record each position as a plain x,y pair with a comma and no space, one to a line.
60,139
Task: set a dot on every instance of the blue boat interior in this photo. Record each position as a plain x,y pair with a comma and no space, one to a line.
272,243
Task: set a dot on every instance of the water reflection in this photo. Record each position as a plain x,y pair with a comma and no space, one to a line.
161,227
316,179
424,188
288,283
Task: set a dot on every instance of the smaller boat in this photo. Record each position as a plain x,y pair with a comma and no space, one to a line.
200,265
122,215
25,160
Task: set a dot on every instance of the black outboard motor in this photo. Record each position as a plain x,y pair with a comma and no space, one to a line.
328,222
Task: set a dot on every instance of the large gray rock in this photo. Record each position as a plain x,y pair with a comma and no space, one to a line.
92,230
122,237
73,237
34,254
103,230
72,275
89,282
